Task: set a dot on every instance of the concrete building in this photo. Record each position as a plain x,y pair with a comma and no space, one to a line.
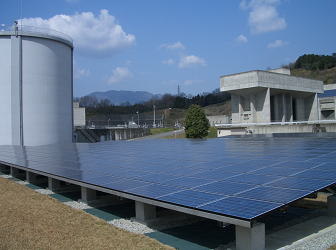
218,119
79,115
327,102
267,102
263,97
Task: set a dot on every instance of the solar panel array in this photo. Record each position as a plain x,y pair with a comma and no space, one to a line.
237,177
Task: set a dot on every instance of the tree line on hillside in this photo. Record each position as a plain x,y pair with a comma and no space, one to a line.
314,62
182,101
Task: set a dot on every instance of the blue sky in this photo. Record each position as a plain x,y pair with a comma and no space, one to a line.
154,45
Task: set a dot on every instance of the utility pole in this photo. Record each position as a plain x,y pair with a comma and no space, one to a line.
154,117
178,90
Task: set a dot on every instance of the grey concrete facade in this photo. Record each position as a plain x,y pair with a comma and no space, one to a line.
264,97
79,115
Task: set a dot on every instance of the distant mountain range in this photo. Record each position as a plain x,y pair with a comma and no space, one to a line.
118,97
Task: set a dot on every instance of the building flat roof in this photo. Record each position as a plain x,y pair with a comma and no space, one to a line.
31,31
266,79
235,180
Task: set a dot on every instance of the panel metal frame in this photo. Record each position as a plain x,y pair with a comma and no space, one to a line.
196,212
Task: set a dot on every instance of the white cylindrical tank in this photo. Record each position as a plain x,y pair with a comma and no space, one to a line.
36,87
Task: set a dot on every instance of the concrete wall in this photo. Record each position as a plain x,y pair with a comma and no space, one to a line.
278,129
235,106
263,106
297,128
109,134
79,117
311,108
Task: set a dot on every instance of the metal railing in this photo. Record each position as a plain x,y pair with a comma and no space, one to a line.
230,125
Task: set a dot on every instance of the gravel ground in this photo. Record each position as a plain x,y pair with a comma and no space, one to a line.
22,182
77,205
6,176
44,191
131,226
319,241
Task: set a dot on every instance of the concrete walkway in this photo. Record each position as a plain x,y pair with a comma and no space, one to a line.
161,135
314,233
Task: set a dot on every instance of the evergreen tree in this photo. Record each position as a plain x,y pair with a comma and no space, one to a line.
196,123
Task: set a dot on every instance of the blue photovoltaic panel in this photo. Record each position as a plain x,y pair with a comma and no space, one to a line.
154,190
190,198
242,177
186,182
253,178
218,174
279,195
301,183
224,187
317,174
278,171
239,207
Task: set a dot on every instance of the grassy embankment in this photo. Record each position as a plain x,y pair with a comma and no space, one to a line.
29,220
155,131
328,76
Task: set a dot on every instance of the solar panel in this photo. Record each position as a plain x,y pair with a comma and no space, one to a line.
190,198
238,177
240,207
271,194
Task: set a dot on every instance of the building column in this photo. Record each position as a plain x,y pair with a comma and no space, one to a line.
88,194
332,205
290,108
284,108
144,212
312,104
253,108
250,238
235,108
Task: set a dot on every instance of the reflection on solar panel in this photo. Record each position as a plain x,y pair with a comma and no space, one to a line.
237,177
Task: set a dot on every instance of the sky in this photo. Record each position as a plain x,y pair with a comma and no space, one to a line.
156,45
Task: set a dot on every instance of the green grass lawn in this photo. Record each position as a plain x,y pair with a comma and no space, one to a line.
154,131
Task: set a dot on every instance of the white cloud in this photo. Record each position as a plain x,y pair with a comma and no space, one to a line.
119,74
168,61
191,60
92,34
241,39
263,15
277,44
80,73
173,46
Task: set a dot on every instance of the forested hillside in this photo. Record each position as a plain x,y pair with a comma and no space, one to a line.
319,67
